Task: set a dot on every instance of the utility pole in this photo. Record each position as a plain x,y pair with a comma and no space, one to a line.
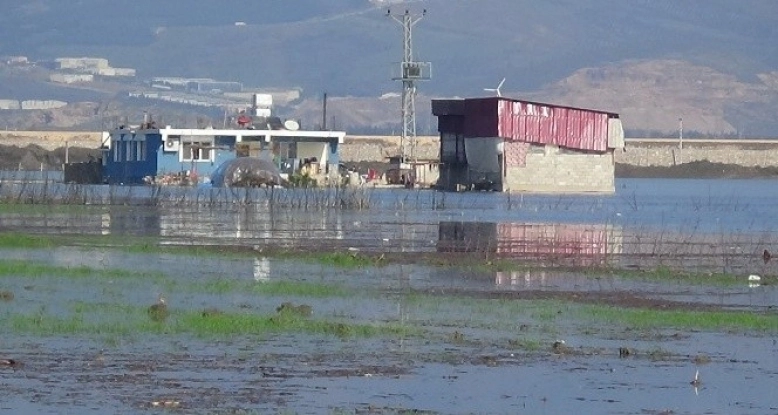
324,113
410,72
680,133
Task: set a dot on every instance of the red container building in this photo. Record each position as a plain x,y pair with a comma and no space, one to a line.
506,144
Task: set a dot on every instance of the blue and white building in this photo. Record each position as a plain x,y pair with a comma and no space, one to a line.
132,156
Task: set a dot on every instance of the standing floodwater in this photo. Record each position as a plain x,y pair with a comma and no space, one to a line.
566,304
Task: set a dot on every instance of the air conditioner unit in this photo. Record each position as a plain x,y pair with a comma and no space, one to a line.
171,145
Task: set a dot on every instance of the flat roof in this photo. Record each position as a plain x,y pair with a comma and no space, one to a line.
204,132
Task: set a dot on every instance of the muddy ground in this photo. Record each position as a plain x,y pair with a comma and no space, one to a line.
485,347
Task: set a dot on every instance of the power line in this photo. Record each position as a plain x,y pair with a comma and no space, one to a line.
410,71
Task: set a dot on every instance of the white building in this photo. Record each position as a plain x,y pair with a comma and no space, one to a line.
42,105
69,78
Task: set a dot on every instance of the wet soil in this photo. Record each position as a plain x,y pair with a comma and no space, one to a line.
485,347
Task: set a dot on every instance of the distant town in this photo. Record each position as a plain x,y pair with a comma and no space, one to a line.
93,71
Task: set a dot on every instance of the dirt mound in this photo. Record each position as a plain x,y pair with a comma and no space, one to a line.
34,157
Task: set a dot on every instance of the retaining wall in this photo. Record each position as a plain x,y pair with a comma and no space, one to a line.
638,152
749,153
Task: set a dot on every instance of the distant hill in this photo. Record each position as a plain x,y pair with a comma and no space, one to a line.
652,60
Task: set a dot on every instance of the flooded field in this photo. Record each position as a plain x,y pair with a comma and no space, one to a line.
418,303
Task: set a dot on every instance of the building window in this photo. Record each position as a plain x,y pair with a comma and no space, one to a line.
197,151
128,146
140,151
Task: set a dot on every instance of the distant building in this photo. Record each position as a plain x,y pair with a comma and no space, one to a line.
9,104
504,144
115,72
94,66
81,63
16,60
70,78
42,105
133,155
197,85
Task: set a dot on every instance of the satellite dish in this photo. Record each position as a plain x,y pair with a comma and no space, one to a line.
291,125
496,90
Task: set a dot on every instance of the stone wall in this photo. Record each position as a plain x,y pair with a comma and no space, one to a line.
748,154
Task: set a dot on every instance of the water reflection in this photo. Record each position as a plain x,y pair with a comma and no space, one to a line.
261,269
572,244
135,220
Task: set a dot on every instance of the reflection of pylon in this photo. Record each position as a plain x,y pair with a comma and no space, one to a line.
410,72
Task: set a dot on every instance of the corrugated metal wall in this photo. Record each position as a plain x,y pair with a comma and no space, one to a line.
547,124
525,121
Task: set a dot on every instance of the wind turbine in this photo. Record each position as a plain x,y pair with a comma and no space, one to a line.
496,90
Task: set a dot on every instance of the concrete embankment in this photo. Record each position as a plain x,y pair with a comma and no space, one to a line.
642,152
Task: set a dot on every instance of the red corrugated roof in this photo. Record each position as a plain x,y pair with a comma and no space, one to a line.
531,122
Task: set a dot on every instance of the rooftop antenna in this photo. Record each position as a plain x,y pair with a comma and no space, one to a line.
410,72
324,112
496,90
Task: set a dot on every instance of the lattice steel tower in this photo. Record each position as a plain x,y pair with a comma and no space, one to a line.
410,71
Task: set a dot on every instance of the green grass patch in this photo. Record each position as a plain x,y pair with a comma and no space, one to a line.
251,324
22,268
20,240
344,260
280,288
506,314
104,319
680,319
665,274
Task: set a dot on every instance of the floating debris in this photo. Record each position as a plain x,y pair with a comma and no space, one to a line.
754,281
696,381
560,347
9,362
624,352
766,256
6,295
166,404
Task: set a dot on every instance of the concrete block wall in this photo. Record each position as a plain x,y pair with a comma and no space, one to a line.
560,171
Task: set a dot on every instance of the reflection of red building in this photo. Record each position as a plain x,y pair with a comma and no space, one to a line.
574,244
